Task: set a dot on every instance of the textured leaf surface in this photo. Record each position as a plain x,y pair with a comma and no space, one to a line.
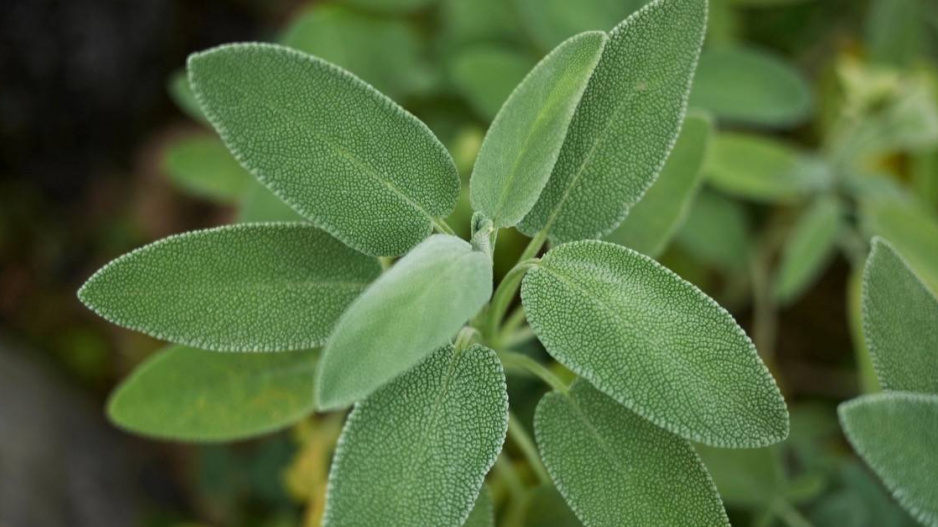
340,153
197,395
896,434
750,86
912,231
808,249
411,310
416,451
483,512
615,468
202,166
523,143
551,22
625,125
653,342
900,323
485,76
254,287
546,507
717,231
652,221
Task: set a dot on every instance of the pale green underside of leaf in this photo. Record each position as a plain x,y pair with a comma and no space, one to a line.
523,143
550,22
896,434
202,166
655,343
808,249
483,512
627,121
248,287
339,152
415,452
900,323
414,308
615,468
485,76
546,507
259,204
652,221
750,86
913,232
190,394
717,231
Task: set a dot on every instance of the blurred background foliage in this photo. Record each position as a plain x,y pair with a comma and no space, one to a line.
825,132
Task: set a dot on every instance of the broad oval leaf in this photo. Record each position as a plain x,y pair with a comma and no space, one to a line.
652,221
523,143
911,229
190,394
415,452
202,166
896,434
340,153
615,468
410,311
550,22
248,287
627,121
808,249
750,86
653,342
900,322
485,76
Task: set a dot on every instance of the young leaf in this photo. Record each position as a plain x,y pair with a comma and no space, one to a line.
615,468
340,153
750,86
911,229
190,394
895,433
483,512
626,123
900,323
202,166
809,248
411,310
652,221
717,231
415,452
524,141
653,342
261,205
550,22
255,287
485,76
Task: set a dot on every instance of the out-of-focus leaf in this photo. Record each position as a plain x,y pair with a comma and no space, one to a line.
912,231
486,75
202,166
390,6
750,477
261,205
869,383
717,232
895,31
466,22
860,502
181,93
550,22
546,508
808,249
483,512
196,395
767,3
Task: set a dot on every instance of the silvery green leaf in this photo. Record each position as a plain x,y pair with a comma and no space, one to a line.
808,249
202,166
896,433
628,120
615,468
415,452
483,512
345,156
485,76
259,204
248,287
654,343
900,322
550,22
523,143
190,394
413,309
911,229
717,231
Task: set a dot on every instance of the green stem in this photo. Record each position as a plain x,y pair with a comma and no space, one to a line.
465,338
790,515
523,441
505,294
534,246
520,362
516,338
440,225
514,321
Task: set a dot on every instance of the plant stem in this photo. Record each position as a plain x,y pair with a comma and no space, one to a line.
790,515
523,441
504,295
514,321
520,362
440,225
534,246
515,338
465,338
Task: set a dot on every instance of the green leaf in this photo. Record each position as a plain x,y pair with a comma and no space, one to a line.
406,314
181,93
717,232
652,221
415,452
197,395
483,512
895,31
523,143
546,508
751,86
911,229
550,22
900,322
390,6
653,342
628,120
465,22
750,477
261,205
202,166
485,76
808,249
615,468
763,169
340,153
256,287
895,434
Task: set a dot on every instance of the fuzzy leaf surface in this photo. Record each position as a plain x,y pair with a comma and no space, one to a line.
809,249
339,152
248,287
202,166
653,342
416,451
911,229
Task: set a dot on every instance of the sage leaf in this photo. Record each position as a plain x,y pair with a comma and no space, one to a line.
894,32
202,166
483,512
181,93
415,452
485,76
911,229
467,22
627,121
261,205
523,143
346,157
248,287
413,309
900,322
546,508
615,468
751,86
550,22
808,249
654,343
190,394
652,222
717,231
749,477
896,433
